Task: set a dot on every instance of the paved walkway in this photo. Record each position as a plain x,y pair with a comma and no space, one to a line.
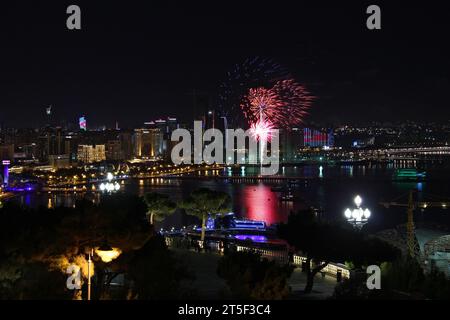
208,285
322,289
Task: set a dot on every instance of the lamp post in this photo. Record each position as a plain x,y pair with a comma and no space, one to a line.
106,254
91,253
358,217
109,186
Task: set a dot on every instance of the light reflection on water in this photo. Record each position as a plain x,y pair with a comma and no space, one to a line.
260,203
333,192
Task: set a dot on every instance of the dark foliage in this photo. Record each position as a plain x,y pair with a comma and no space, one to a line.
249,277
322,242
155,271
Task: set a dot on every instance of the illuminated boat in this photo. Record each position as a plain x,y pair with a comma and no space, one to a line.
409,174
248,224
230,222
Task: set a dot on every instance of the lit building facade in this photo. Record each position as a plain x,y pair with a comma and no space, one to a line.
91,153
148,143
317,138
154,140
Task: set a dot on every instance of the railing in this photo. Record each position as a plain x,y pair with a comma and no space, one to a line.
279,255
332,269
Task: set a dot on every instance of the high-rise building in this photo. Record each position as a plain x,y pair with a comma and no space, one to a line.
167,126
59,161
148,143
210,120
154,140
48,113
91,153
82,123
50,142
7,152
126,143
290,142
30,151
71,146
114,150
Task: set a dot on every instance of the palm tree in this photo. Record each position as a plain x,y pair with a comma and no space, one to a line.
204,201
159,206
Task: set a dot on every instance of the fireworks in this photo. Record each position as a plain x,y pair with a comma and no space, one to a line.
261,130
296,101
251,74
260,104
264,92
284,105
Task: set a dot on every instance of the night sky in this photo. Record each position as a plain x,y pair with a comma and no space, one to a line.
134,61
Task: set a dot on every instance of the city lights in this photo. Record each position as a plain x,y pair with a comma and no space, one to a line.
109,186
265,152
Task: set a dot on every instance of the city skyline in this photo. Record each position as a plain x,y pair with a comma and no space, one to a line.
196,154
152,60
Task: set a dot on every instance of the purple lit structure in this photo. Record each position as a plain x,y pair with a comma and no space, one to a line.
252,237
6,164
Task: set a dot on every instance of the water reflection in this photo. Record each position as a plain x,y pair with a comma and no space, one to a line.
257,201
260,203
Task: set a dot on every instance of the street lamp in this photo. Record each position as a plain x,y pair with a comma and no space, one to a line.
358,217
106,254
109,186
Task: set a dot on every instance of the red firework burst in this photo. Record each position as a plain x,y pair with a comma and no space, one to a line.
261,104
284,105
296,101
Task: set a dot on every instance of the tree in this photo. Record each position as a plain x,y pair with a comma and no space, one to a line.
248,276
159,206
322,242
32,241
204,201
402,279
157,274
407,276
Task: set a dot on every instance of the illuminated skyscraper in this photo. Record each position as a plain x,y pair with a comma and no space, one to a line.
83,123
48,113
